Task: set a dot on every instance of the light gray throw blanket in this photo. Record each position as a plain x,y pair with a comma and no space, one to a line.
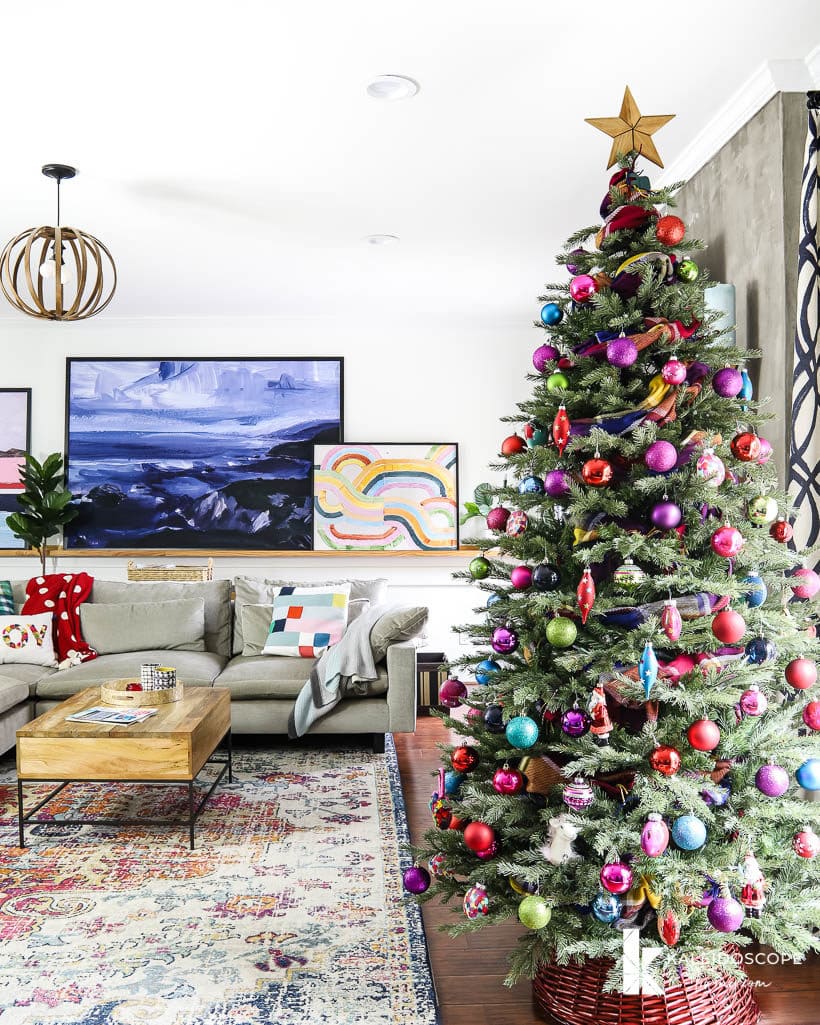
345,668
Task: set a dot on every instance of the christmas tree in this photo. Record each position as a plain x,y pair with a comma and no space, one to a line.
646,709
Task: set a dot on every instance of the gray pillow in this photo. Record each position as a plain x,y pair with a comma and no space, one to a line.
396,625
144,626
260,591
256,620
215,593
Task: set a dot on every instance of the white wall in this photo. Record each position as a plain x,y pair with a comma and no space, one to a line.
406,379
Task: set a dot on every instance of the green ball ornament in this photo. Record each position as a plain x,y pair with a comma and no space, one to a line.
561,632
479,568
762,510
688,270
533,912
557,382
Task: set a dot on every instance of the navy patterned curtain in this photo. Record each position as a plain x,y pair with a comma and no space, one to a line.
804,462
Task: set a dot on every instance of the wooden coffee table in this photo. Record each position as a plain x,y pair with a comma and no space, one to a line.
170,748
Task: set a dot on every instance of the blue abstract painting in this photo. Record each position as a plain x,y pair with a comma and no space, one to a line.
188,453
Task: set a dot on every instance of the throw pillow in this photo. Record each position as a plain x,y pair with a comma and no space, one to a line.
6,598
307,620
261,590
27,638
396,625
256,621
145,626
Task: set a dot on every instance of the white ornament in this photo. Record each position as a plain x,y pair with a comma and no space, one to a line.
558,847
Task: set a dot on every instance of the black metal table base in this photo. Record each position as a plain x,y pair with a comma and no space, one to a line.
194,809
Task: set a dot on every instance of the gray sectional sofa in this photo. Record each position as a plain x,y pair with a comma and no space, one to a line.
263,687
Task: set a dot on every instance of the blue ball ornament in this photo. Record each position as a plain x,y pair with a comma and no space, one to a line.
689,832
808,775
452,782
759,650
606,907
531,486
522,731
551,314
492,599
485,669
758,592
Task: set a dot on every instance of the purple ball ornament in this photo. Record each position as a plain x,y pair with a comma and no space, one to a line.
654,836
451,693
661,456
572,268
666,515
416,879
725,913
728,383
772,780
616,877
521,577
504,640
556,483
621,352
582,288
673,371
544,355
575,722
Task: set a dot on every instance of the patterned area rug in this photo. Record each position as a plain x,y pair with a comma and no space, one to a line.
289,910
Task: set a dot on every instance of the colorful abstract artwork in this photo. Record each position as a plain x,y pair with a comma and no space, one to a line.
15,426
197,453
385,497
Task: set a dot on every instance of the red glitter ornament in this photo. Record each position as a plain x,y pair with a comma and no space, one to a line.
670,230
781,530
560,429
745,447
585,593
597,472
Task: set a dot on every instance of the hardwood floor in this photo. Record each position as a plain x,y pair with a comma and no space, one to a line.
469,971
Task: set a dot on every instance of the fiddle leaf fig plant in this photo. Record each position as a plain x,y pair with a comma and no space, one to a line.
45,501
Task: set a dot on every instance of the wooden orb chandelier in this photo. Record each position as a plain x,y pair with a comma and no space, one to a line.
57,273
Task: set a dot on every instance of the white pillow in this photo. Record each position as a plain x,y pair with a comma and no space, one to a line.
27,639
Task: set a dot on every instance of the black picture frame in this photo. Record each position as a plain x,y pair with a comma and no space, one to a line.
184,453
8,494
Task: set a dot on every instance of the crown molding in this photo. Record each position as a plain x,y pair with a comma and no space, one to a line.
772,77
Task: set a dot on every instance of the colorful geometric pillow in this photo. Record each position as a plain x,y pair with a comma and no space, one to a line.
307,620
6,598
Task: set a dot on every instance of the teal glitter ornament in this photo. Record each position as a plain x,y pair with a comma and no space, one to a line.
606,907
521,731
551,314
689,832
688,270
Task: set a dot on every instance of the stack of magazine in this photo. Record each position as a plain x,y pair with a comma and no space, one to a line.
116,716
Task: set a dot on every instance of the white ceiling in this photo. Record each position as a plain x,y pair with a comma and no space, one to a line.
232,161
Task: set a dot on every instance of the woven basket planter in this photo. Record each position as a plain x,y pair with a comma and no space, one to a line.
574,995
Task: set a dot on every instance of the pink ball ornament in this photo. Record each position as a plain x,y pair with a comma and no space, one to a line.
556,483
488,852
765,453
497,518
654,836
517,523
728,383
753,702
725,914
451,693
416,879
673,371
772,780
616,877
661,456
508,781
582,288
710,469
805,583
544,355
521,578
727,541
621,352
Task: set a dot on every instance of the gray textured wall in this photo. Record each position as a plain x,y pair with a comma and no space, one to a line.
745,205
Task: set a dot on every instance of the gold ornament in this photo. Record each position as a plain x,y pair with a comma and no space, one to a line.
631,131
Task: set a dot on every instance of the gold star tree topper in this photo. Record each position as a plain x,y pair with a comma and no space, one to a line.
631,130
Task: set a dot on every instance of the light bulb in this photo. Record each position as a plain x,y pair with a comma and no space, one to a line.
48,271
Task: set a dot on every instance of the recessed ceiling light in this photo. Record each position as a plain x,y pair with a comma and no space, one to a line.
381,240
392,87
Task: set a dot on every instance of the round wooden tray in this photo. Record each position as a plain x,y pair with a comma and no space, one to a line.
113,692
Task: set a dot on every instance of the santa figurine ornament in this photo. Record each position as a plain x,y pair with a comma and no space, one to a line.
752,896
601,725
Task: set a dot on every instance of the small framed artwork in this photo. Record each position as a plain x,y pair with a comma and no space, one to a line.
212,453
15,441
380,497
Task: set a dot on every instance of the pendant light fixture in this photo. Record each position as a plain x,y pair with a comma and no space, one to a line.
57,273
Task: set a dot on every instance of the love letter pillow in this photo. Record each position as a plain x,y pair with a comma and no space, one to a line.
27,639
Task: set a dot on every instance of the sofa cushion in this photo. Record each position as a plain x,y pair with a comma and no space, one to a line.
256,620
261,591
27,638
396,625
307,620
12,692
194,669
176,625
6,598
258,676
215,593
29,675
